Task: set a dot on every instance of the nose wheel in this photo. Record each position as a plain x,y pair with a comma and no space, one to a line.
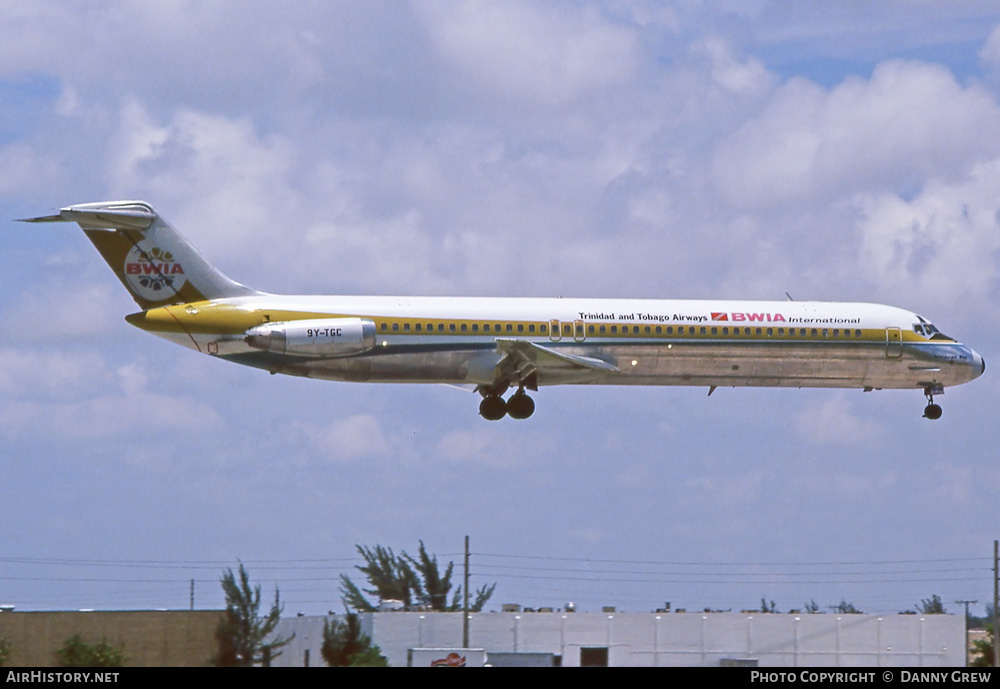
932,411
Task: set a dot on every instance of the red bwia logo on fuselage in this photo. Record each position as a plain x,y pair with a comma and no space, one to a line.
765,317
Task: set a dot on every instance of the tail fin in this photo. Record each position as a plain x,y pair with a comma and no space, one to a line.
155,263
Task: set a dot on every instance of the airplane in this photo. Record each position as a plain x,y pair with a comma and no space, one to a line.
493,345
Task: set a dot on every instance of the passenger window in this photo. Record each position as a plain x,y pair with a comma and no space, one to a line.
659,330
531,328
464,327
614,328
591,329
715,331
510,328
406,327
603,329
543,328
385,327
704,330
395,326
451,327
520,327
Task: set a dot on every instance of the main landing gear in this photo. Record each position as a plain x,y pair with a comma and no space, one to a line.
932,411
518,406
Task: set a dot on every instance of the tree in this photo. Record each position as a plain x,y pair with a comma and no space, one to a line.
931,606
767,607
982,650
416,581
78,653
242,633
390,576
345,646
812,607
845,608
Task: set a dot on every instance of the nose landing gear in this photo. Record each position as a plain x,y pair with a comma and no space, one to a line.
932,411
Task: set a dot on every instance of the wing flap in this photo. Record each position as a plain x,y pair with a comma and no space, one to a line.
523,363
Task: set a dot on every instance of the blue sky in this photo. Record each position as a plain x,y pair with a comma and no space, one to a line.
848,152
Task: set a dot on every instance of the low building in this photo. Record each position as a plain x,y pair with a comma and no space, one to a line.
149,638
658,639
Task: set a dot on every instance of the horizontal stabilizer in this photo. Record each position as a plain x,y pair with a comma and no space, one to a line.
131,215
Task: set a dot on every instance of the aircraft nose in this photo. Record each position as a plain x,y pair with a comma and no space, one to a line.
979,361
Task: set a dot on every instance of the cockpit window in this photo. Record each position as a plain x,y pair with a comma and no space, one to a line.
929,330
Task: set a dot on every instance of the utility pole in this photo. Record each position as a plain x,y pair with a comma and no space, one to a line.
996,605
465,598
966,603
192,594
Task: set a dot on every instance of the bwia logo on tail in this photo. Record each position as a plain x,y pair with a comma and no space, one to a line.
153,272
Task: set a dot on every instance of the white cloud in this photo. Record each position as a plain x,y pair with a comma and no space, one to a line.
940,248
350,439
833,421
50,373
530,52
908,122
65,308
132,415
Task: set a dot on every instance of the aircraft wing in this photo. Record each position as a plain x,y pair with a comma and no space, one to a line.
523,362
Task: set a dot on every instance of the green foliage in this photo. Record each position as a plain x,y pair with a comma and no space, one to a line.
4,651
931,606
242,633
845,608
812,607
767,607
431,587
345,646
416,581
77,653
390,577
982,650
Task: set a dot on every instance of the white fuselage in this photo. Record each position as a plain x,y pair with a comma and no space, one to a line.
647,342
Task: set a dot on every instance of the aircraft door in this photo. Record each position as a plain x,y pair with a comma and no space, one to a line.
893,343
555,334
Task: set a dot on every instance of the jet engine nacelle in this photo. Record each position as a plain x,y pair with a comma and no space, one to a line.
321,337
